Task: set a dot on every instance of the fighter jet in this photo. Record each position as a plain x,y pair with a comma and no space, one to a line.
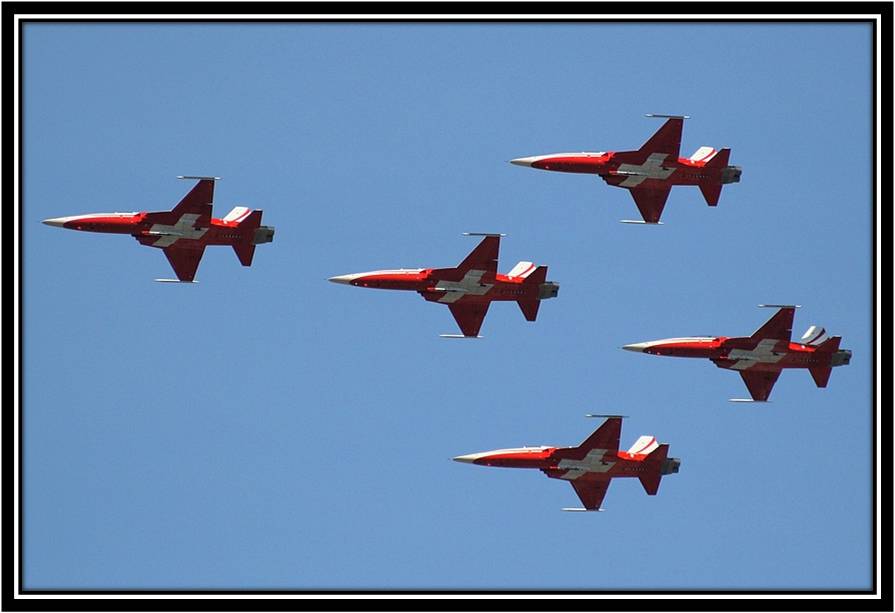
761,357
185,231
590,466
468,289
651,171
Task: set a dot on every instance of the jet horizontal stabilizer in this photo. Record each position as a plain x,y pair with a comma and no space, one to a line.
197,178
173,281
780,306
457,336
582,510
667,116
606,416
483,234
746,400
642,223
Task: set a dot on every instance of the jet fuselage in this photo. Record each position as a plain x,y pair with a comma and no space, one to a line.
436,284
619,170
145,226
556,461
733,352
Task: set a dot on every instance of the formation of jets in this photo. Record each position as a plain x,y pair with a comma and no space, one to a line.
469,288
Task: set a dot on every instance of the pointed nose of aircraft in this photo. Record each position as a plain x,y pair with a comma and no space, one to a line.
523,161
468,459
343,279
639,347
59,222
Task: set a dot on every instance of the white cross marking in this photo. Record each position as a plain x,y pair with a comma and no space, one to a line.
471,283
182,229
651,169
763,352
592,463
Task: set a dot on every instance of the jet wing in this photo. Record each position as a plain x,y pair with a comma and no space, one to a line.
197,202
650,201
591,491
667,139
483,257
469,316
778,327
184,260
759,382
605,437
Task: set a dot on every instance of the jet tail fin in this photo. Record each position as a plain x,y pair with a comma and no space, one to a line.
652,479
831,345
711,192
245,251
529,308
529,272
246,220
532,274
719,160
821,375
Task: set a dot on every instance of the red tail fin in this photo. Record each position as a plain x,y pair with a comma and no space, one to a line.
711,192
529,308
247,223
252,221
720,159
538,276
651,480
831,345
245,251
821,375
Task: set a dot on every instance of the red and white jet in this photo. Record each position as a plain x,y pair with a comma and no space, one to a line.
651,171
761,357
184,232
590,466
468,289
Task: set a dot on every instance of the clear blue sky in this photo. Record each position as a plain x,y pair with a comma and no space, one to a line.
265,428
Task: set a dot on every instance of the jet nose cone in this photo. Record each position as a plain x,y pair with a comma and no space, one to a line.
468,459
59,222
343,279
523,161
639,347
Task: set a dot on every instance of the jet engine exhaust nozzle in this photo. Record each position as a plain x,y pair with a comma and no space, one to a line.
548,290
671,466
841,358
263,234
731,174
